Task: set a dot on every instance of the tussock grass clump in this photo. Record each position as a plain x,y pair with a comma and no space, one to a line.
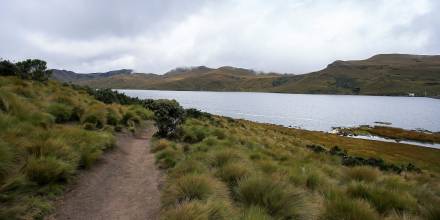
41,119
95,115
189,166
384,200
61,112
268,166
255,213
431,211
7,159
44,170
271,174
160,145
219,133
221,157
114,117
168,158
315,181
38,154
195,210
341,207
13,104
193,187
187,211
194,133
363,173
5,101
143,113
278,198
232,173
130,117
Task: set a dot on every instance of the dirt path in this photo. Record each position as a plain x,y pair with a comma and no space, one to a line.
123,185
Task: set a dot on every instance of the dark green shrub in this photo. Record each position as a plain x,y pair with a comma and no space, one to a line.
7,68
195,113
33,69
168,116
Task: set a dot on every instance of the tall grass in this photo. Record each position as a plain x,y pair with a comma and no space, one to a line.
193,187
61,112
341,207
278,198
384,200
269,173
39,152
366,174
7,158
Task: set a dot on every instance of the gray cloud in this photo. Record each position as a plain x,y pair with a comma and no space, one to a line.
156,35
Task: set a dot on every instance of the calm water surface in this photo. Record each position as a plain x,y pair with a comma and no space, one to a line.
312,112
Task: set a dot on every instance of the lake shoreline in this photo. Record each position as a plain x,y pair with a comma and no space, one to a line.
289,93
308,111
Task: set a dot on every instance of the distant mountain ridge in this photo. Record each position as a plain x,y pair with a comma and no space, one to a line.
383,74
70,76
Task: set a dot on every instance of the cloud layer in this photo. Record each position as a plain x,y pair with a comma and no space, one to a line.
156,35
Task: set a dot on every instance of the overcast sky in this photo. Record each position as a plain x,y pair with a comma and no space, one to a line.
159,35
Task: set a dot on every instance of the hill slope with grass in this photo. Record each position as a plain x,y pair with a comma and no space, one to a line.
385,74
221,168
48,132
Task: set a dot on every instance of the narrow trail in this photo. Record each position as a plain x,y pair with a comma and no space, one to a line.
123,185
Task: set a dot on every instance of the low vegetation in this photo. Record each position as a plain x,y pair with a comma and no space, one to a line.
220,168
47,133
216,167
394,133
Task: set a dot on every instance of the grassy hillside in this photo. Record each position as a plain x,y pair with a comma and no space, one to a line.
47,133
388,74
221,168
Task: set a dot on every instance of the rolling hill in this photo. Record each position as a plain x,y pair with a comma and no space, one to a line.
384,74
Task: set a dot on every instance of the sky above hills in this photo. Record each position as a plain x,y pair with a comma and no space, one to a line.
156,36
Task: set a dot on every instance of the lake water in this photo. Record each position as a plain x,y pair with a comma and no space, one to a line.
311,112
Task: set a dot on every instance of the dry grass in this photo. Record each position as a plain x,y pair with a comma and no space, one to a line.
402,134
